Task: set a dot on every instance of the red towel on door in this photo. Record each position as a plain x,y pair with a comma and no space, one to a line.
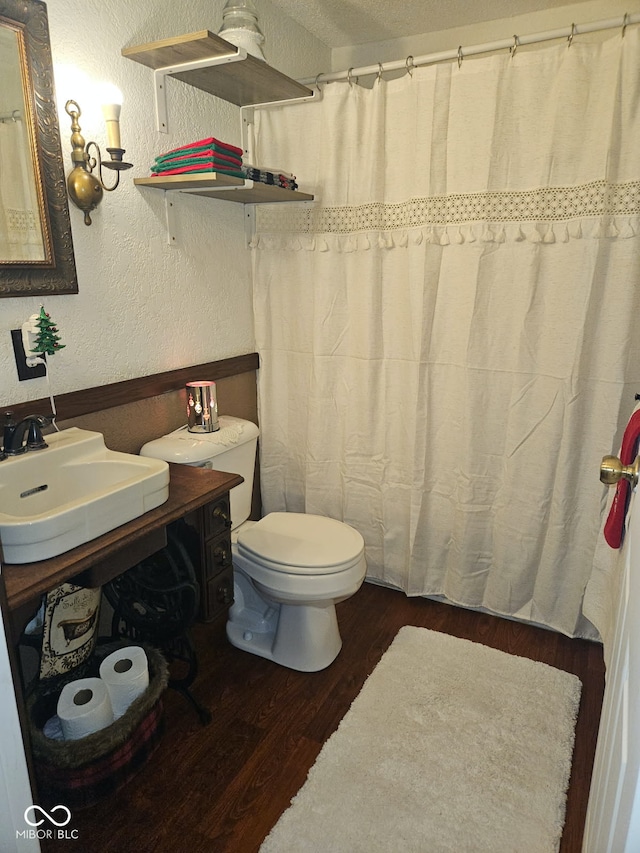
614,526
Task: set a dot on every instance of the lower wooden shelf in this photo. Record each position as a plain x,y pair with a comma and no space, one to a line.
223,187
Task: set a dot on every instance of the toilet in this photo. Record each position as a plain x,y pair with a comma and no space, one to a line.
289,569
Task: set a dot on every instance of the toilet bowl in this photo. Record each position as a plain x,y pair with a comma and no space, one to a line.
290,569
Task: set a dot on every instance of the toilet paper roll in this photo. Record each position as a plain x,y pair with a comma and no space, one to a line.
84,707
126,674
53,728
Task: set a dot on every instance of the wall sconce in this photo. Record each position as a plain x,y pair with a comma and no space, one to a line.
85,188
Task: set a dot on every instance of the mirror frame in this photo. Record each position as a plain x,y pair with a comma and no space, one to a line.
25,279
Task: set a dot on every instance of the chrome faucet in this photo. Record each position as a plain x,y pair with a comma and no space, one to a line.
14,434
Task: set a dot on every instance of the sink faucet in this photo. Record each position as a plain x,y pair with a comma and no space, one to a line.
14,434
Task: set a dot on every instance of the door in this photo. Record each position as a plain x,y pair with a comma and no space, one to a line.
613,815
15,788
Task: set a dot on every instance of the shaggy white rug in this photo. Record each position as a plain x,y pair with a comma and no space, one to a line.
450,746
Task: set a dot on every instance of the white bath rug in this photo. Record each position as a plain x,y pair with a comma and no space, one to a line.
450,747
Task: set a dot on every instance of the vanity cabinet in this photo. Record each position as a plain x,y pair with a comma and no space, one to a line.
216,580
210,63
193,492
198,492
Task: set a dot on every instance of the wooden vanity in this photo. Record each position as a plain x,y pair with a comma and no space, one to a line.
197,492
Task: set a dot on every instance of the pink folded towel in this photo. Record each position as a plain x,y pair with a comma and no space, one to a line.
202,144
198,167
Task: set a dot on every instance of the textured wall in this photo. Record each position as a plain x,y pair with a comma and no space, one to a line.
502,28
144,306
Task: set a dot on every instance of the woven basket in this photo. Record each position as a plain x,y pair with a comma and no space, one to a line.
79,773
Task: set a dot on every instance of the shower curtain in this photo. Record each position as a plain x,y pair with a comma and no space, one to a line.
448,334
20,230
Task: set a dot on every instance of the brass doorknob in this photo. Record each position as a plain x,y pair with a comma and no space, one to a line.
612,471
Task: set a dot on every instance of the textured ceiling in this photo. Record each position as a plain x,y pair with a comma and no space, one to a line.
340,23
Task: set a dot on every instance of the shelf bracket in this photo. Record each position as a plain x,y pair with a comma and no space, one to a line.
249,224
170,216
247,136
160,77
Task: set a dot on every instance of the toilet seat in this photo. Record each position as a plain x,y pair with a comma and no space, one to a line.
297,543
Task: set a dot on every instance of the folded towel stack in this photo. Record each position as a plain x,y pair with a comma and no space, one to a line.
206,155
211,155
274,177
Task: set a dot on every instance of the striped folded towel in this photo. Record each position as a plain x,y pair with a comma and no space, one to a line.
270,170
276,179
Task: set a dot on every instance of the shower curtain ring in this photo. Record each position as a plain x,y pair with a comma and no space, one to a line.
625,22
317,84
514,47
571,34
409,65
460,56
350,77
379,74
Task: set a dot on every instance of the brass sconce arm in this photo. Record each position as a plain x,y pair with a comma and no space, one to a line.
85,189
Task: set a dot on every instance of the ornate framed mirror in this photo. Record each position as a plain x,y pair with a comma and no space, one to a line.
36,248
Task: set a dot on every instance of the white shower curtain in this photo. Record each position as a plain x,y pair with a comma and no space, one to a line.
20,228
448,335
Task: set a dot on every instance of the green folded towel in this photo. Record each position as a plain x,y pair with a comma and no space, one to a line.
196,168
210,142
210,162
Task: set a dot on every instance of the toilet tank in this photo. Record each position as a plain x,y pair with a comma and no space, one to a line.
232,449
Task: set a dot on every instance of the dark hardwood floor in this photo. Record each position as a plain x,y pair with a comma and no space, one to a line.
220,788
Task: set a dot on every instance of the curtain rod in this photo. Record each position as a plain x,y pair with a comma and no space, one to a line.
461,52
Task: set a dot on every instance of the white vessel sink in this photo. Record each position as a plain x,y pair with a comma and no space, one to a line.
55,499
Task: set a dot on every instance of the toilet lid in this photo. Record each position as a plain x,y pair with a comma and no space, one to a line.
306,542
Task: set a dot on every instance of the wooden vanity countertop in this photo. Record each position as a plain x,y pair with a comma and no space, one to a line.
189,489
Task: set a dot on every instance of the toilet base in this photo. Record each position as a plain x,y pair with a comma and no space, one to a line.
304,637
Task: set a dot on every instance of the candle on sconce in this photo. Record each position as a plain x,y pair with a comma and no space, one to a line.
111,106
111,113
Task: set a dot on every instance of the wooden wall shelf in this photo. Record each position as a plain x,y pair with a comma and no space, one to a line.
245,82
223,187
210,63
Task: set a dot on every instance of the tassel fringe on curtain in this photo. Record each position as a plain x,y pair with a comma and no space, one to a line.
539,216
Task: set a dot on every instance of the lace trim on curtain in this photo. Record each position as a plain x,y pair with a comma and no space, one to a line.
545,215
22,222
